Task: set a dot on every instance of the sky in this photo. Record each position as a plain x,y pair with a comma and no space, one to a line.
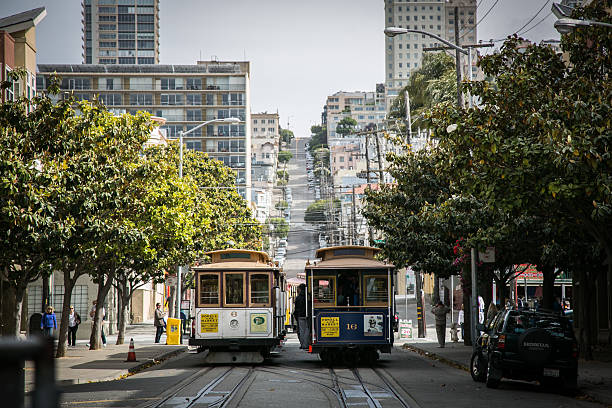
300,51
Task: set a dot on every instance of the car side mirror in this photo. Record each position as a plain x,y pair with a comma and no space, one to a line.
480,327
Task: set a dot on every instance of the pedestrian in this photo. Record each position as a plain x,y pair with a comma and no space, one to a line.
159,322
48,323
461,320
440,311
491,313
92,314
73,325
299,312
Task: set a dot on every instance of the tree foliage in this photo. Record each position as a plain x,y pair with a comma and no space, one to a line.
284,156
346,126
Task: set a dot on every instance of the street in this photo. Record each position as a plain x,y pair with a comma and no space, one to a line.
302,239
294,378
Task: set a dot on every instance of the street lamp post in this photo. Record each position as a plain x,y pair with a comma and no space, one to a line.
567,25
392,32
181,135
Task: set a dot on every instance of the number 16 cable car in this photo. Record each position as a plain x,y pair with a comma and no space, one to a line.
350,304
239,314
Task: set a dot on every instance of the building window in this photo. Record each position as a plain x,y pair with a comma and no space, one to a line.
171,99
194,114
194,145
110,99
141,99
194,99
171,83
127,60
194,83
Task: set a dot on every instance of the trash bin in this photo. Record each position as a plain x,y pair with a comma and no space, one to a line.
173,331
34,325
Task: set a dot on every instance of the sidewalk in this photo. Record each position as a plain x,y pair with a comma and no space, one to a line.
81,365
594,377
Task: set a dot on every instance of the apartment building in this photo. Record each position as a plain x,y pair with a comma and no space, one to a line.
264,146
363,107
404,53
120,31
18,50
184,95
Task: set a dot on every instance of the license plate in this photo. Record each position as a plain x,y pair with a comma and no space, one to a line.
551,372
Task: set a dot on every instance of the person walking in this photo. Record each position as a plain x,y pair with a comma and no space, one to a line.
440,311
461,321
73,325
159,322
299,313
92,314
49,322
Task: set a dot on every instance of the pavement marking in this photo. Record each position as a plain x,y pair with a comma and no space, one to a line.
108,400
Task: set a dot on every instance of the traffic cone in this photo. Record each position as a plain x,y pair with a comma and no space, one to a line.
131,353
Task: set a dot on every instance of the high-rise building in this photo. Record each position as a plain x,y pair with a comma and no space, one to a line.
264,160
184,95
404,53
121,31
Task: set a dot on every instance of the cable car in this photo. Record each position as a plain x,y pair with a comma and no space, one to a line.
240,307
350,304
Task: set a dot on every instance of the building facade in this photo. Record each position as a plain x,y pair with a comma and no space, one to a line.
120,31
184,95
18,50
364,107
404,53
264,161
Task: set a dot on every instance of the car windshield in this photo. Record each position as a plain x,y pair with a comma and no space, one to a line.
518,322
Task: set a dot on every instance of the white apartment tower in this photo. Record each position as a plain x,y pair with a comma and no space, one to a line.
404,53
120,31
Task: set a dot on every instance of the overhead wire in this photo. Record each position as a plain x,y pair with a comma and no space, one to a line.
480,20
533,17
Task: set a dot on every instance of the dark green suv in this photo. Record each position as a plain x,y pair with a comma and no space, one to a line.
526,345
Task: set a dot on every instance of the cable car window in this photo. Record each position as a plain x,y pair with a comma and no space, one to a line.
209,289
234,289
260,289
375,288
324,291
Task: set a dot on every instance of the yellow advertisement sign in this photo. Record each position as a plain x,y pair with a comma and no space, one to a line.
209,323
259,323
330,327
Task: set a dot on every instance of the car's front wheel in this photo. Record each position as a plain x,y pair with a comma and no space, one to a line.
478,367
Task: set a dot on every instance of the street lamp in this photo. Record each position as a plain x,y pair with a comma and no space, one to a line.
567,25
181,135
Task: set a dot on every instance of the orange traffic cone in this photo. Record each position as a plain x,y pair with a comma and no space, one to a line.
131,354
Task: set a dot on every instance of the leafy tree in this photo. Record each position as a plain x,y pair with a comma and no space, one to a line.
281,205
315,213
433,83
318,138
346,126
278,227
284,156
282,175
286,136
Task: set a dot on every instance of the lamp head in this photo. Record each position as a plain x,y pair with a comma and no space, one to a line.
567,25
230,120
393,31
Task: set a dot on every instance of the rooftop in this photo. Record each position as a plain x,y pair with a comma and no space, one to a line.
22,21
210,68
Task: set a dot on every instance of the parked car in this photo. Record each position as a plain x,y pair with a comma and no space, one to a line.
526,345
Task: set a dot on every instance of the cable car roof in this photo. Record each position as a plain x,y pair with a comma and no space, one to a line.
348,256
237,258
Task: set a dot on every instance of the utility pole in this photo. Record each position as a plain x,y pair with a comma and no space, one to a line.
458,59
421,327
381,179
367,155
354,219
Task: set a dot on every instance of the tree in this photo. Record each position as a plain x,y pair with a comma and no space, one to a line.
278,227
318,138
315,213
286,135
346,126
281,205
284,156
433,83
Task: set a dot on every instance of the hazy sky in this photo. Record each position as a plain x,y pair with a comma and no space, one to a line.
301,51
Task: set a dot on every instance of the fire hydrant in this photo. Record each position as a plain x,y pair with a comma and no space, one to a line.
453,330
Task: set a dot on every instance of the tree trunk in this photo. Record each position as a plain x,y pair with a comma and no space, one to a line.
124,295
467,318
63,329
18,292
548,286
96,333
435,296
46,298
584,336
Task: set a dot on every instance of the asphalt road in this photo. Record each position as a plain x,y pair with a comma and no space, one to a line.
302,240
294,378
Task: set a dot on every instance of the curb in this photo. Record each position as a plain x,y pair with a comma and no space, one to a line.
119,374
434,356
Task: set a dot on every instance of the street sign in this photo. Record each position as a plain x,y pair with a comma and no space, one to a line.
405,329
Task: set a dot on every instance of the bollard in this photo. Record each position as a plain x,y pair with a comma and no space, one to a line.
453,331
